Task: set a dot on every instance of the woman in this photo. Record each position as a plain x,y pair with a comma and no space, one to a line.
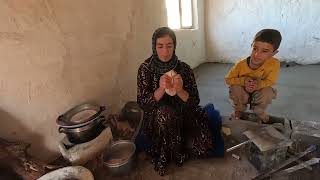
174,123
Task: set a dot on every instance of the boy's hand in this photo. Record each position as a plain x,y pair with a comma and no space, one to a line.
250,84
254,86
177,83
247,83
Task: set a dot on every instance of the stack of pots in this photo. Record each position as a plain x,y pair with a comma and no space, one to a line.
85,128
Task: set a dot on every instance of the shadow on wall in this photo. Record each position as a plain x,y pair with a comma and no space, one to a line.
13,130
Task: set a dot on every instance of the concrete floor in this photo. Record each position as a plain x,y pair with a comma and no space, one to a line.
298,90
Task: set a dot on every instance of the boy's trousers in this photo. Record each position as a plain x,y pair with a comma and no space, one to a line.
258,100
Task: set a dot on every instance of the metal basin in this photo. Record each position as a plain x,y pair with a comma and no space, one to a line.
119,158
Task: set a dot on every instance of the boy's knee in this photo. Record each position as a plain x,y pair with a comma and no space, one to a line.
269,92
237,93
263,96
235,89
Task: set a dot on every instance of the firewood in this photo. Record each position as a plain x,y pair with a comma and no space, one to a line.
14,156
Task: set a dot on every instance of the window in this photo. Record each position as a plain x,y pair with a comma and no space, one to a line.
180,14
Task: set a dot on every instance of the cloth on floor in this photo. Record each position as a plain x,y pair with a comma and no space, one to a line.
215,123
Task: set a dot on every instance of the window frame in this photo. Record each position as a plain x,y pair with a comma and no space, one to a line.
192,16
180,9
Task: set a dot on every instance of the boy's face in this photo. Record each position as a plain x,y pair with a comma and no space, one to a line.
261,51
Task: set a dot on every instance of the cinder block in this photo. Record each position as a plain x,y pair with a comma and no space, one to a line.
264,161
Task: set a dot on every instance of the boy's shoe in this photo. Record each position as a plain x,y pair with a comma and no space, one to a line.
236,115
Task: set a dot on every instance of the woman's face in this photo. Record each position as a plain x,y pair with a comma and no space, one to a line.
165,48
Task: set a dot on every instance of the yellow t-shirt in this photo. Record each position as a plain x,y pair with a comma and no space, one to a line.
267,74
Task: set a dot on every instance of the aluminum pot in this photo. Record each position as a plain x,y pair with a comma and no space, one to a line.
84,133
65,120
119,157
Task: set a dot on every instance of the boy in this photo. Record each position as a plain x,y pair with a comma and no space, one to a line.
250,80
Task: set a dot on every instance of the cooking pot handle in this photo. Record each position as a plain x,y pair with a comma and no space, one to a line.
61,130
102,108
60,117
104,121
102,117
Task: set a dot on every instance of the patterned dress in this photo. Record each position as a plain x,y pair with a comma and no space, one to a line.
176,128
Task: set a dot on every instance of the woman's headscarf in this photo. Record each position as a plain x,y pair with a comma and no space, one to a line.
157,65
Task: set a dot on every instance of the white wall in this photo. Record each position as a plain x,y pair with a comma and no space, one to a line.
232,24
56,54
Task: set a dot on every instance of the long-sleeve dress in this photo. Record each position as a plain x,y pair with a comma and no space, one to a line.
176,128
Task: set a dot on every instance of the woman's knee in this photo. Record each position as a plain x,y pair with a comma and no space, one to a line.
165,115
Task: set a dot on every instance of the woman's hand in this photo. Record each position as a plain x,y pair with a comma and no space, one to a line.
165,82
178,83
178,86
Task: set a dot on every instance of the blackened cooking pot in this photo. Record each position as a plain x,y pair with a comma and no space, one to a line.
84,133
82,123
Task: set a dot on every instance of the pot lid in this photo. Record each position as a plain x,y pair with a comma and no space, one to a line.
80,115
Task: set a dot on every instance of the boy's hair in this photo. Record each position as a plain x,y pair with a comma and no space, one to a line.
270,36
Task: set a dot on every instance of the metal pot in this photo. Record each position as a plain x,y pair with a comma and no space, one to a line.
134,115
123,152
65,120
84,133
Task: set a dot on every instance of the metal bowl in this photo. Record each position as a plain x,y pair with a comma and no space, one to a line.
119,158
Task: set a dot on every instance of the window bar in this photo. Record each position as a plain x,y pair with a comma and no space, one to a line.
180,12
192,14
